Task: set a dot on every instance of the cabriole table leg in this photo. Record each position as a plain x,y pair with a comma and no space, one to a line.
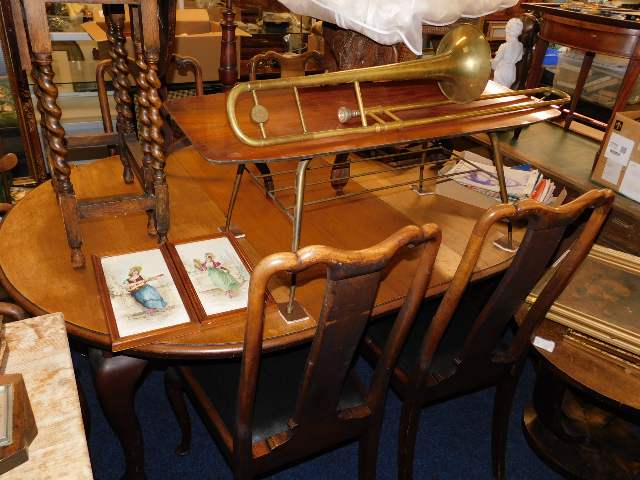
116,379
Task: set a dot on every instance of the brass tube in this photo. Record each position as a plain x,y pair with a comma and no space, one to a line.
299,105
562,99
363,115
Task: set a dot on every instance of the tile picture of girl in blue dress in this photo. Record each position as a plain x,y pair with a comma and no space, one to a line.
215,270
142,292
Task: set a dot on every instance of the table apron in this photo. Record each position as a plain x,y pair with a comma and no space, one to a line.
591,37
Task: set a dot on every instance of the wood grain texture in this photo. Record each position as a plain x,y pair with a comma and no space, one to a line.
204,120
610,377
39,350
199,195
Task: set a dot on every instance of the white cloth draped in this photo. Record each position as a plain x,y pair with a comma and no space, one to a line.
394,21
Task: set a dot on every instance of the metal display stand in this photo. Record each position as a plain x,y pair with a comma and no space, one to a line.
292,311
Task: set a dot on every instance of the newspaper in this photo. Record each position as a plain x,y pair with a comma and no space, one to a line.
479,174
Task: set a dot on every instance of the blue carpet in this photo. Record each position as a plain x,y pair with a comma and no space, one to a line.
454,441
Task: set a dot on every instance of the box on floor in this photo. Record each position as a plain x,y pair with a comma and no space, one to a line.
618,165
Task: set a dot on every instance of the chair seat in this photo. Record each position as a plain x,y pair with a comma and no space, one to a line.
447,357
278,385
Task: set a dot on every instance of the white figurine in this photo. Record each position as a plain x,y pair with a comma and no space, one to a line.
509,53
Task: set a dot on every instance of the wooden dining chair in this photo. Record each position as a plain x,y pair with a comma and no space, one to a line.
290,64
457,346
269,410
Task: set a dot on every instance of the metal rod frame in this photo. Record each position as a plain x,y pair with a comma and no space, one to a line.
504,195
234,196
440,178
297,223
300,184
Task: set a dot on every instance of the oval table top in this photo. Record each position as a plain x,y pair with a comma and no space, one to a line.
35,267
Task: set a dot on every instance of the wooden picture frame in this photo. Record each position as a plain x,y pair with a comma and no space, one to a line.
208,312
219,261
117,320
602,300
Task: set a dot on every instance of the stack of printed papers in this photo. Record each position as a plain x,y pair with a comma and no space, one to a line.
479,174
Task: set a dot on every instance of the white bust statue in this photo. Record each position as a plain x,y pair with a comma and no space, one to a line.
509,53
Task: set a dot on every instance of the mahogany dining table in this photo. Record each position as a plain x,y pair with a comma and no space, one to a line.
34,268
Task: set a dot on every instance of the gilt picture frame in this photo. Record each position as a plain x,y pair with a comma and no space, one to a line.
143,297
602,300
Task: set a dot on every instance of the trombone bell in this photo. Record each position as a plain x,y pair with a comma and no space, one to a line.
468,66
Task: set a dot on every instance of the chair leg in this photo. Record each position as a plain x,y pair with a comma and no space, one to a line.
175,394
368,454
505,391
409,423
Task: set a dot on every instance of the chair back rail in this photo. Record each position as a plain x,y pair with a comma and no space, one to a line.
546,229
291,65
352,283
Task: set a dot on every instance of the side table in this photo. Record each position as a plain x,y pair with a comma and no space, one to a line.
584,415
39,350
591,34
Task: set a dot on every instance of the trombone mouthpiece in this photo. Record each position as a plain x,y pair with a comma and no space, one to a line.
345,114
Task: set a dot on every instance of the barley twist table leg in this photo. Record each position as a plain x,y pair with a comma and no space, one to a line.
160,187
55,136
114,14
35,75
143,113
151,34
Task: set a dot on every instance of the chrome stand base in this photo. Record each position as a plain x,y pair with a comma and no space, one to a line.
298,313
420,191
506,243
233,230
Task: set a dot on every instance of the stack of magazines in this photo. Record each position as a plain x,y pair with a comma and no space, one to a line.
479,174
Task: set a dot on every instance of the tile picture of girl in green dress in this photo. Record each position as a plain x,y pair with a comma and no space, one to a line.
219,277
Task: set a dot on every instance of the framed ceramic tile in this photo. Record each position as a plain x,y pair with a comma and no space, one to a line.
143,297
215,273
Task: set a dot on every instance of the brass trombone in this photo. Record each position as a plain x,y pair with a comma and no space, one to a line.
461,67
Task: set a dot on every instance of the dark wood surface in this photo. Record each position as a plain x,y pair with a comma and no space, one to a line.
204,120
584,415
199,195
606,375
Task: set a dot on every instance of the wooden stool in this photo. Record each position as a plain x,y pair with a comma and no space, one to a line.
142,155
